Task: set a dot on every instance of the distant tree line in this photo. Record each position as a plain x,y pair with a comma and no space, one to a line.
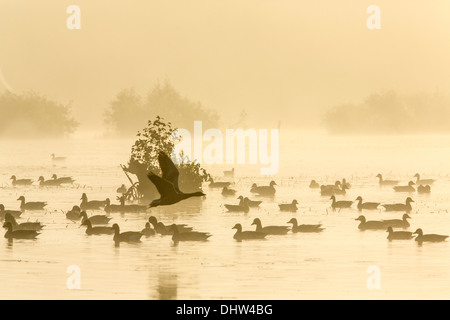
30,115
391,113
129,112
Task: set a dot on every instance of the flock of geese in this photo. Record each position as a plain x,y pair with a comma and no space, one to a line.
167,186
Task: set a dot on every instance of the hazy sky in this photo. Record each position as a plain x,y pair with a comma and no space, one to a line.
280,59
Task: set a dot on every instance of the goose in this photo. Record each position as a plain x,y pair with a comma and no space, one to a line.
399,206
229,173
346,184
98,219
386,182
31,205
247,235
370,225
63,180
424,189
428,237
163,230
340,204
398,235
398,223
270,230
340,191
48,183
228,192
241,207
122,189
96,230
18,234
330,189
304,227
74,213
20,182
408,188
36,226
366,205
91,205
112,207
55,158
147,231
252,203
218,184
15,213
314,185
264,190
423,181
167,185
129,236
188,235
291,207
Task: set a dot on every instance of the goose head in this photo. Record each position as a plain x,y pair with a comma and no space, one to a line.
41,179
54,176
379,176
409,200
87,223
419,232
389,229
293,221
13,178
147,225
21,198
153,220
240,198
361,218
76,208
238,227
417,176
116,228
273,183
256,221
406,216
333,198
7,225
2,207
108,201
411,183
337,183
359,198
294,201
83,196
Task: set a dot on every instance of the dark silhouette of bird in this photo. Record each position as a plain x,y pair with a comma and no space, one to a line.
386,182
241,207
424,189
31,205
15,213
428,237
408,188
264,190
398,235
129,236
291,207
270,230
423,181
406,207
63,180
247,235
340,204
18,234
398,223
148,231
90,230
48,183
97,219
366,205
36,226
305,227
91,205
188,235
20,182
370,225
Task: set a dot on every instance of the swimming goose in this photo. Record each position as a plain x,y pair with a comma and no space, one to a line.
366,205
96,230
98,219
399,206
246,235
408,188
122,189
398,235
264,190
188,235
31,205
314,185
20,182
63,180
112,207
18,234
304,227
36,226
428,237
346,184
74,214
272,230
163,230
228,192
423,181
241,207
330,189
340,204
48,183
340,191
252,203
398,223
54,158
386,182
167,185
15,213
147,231
229,173
91,205
291,207
218,184
129,236
370,225
424,189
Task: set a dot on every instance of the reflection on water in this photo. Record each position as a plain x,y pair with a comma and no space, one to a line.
332,264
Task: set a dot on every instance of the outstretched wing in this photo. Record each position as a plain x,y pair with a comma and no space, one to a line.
169,171
165,188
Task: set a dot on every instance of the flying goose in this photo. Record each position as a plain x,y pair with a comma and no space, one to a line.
366,205
167,185
96,230
272,230
15,213
423,181
129,236
247,235
428,237
264,190
398,235
20,182
386,182
406,207
370,225
291,207
18,234
304,227
30,205
408,188
340,204
188,235
398,223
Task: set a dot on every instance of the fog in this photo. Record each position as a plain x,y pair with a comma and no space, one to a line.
288,61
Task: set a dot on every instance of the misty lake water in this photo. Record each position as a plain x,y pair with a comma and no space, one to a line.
329,265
